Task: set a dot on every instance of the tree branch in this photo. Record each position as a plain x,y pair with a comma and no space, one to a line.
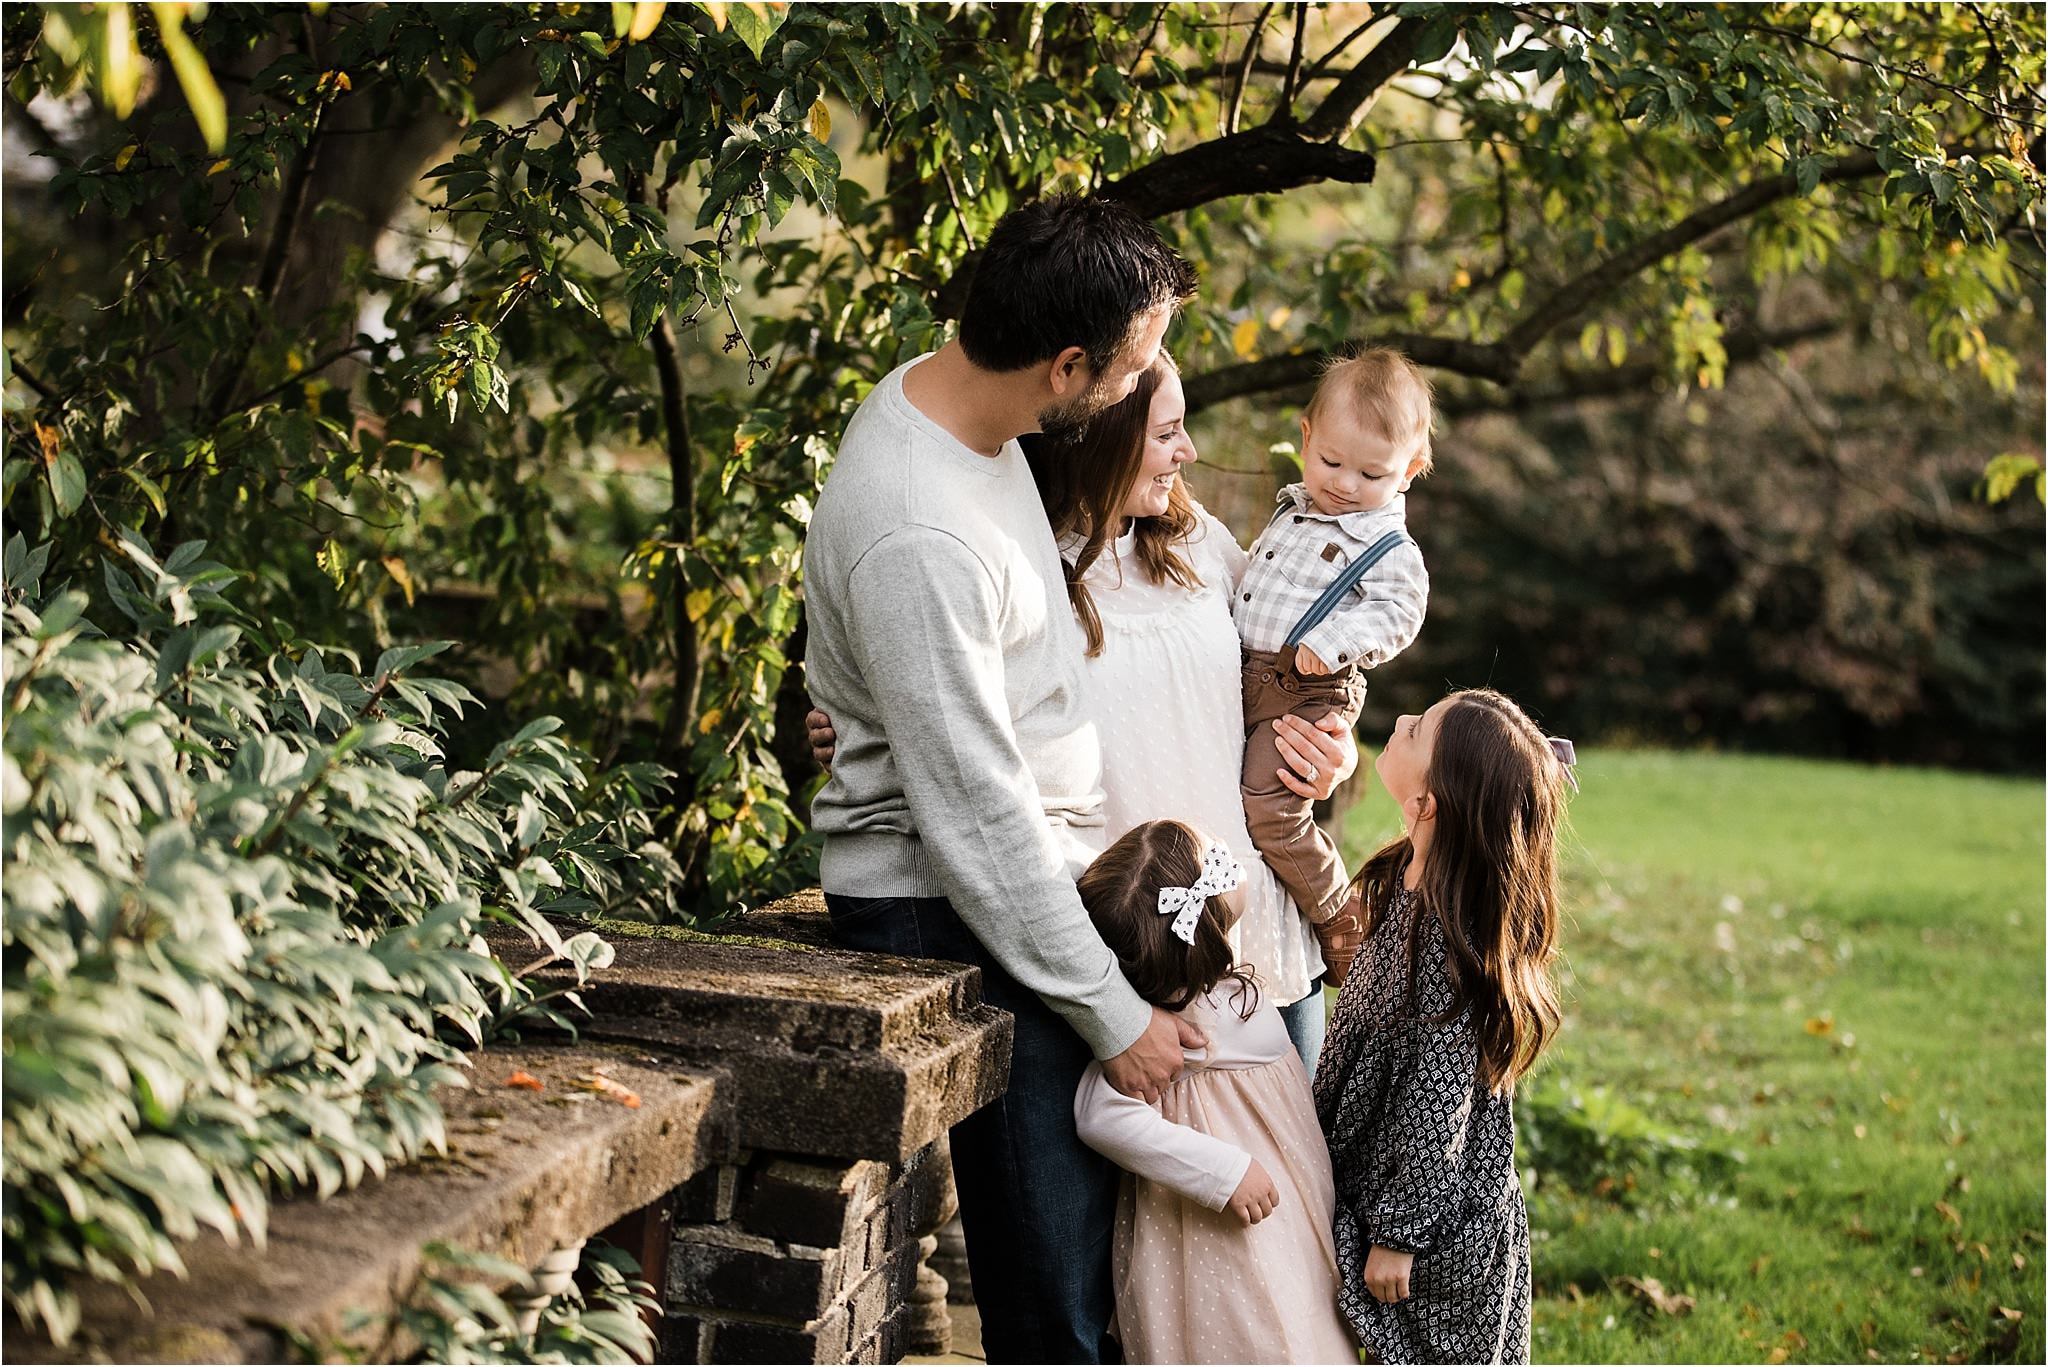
1321,66
1481,360
1348,101
276,252
1580,293
1293,377
1235,103
675,420
1259,160
1742,347
28,377
1290,85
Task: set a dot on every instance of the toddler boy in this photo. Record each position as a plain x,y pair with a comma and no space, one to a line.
1335,587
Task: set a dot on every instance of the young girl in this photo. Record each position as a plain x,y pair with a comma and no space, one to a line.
1222,1250
1448,1005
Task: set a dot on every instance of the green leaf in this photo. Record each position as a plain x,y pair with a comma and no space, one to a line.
151,490
331,558
754,22
67,483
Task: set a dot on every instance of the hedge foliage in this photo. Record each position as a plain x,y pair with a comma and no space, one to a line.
244,896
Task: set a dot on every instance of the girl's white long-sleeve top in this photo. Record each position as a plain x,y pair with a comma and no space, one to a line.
1137,1138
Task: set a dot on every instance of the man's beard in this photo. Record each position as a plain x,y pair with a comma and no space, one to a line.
1068,422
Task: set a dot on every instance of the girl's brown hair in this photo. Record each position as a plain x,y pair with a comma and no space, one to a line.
1121,891
1489,878
1083,479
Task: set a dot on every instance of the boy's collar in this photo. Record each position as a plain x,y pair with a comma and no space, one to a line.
1358,523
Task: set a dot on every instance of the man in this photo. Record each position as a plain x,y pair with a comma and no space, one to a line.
942,646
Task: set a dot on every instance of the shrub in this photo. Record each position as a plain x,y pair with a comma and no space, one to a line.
242,909
1598,1144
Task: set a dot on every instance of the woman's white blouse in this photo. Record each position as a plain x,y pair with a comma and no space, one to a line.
1166,700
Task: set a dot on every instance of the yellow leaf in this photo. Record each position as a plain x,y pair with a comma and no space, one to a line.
217,167
1461,279
716,9
1243,337
1820,1025
1277,319
821,121
395,567
209,108
708,721
121,71
646,17
697,604
1778,1354
123,157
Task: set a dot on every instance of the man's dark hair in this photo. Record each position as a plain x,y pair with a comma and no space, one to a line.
1062,272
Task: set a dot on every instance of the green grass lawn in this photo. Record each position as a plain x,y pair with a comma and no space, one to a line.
1837,971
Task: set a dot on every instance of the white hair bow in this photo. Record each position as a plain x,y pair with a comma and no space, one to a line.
1220,874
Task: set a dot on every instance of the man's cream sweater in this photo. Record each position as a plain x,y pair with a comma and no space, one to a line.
942,646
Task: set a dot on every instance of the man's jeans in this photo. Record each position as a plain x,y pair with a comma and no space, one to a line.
1307,1022
1037,1205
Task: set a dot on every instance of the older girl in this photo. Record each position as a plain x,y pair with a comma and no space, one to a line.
1449,1005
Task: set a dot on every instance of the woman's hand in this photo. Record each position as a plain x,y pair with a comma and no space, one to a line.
1386,1274
824,740
1319,756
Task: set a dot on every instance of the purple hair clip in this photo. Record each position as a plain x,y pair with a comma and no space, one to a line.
1567,756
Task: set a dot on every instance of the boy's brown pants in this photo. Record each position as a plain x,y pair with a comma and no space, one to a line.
1282,824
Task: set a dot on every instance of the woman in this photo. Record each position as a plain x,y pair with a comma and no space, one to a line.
1150,574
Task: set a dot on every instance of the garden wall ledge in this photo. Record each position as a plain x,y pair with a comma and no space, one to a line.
831,1053
525,1171
791,1102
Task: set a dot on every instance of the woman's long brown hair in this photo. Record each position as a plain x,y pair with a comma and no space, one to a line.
1489,878
1083,480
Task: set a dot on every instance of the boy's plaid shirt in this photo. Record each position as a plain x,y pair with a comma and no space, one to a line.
1301,552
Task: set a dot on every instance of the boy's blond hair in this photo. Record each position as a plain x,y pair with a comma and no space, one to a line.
1384,390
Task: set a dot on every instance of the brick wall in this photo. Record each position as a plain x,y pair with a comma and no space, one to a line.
774,1258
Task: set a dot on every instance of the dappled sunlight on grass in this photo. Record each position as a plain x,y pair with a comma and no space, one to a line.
1837,971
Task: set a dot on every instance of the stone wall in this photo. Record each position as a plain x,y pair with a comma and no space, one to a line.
779,1176
783,1260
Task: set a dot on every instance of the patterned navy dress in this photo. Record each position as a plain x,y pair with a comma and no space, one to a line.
1424,1159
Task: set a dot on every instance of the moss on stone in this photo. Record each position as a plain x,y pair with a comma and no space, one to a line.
642,930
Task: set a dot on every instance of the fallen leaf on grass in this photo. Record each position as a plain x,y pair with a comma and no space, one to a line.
521,1078
2019,1262
1778,1355
1652,1293
1820,1025
2007,1312
1948,1213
